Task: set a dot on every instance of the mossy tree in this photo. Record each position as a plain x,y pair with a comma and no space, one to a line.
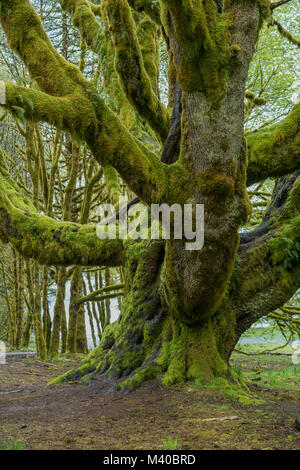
183,311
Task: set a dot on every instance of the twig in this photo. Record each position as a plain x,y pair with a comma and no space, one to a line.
278,4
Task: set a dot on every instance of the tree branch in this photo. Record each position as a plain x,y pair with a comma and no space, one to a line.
267,272
84,18
74,114
150,7
274,151
151,180
91,297
172,143
48,241
88,117
26,36
278,4
131,69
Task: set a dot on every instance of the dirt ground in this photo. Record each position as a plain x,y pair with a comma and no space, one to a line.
73,416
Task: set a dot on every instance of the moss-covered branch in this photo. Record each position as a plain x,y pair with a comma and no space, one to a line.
131,69
79,109
267,272
48,241
26,36
286,34
139,78
84,18
200,36
97,293
150,7
274,151
74,114
109,140
151,180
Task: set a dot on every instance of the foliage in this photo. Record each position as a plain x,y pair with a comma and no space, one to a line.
11,445
170,444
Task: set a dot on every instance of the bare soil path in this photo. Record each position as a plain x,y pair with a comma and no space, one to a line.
73,416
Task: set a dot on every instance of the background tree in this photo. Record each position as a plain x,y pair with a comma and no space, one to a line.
53,172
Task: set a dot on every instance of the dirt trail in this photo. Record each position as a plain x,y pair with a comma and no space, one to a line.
72,416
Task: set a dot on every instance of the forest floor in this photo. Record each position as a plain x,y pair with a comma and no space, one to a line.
72,416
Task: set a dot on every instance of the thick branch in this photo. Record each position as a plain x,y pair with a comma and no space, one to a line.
86,116
83,14
267,273
109,140
274,151
150,7
151,180
131,69
48,241
111,143
26,36
74,114
200,44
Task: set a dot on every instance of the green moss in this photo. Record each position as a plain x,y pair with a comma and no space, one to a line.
203,39
286,34
112,183
148,342
27,38
150,7
73,113
148,36
84,19
265,10
235,49
236,390
274,150
268,265
47,240
220,185
131,69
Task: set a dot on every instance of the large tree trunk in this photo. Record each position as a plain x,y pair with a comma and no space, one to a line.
149,340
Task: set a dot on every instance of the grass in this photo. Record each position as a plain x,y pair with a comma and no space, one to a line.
11,445
258,339
235,391
286,378
269,370
170,444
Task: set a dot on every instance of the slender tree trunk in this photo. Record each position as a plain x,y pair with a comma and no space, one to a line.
37,318
90,314
59,308
81,338
46,314
107,301
64,330
27,329
73,310
30,314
